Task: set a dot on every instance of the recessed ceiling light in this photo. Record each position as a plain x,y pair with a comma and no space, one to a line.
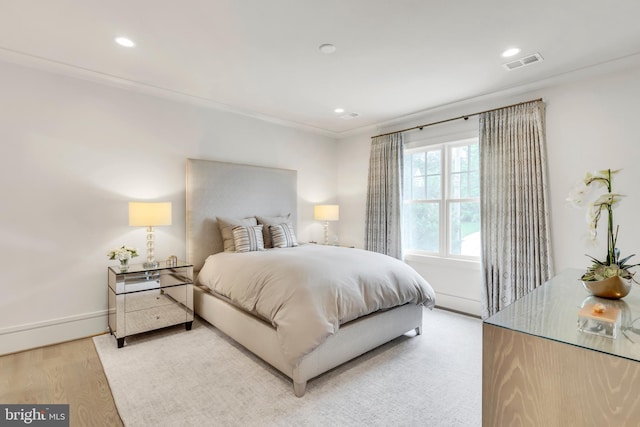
123,41
510,52
339,110
327,48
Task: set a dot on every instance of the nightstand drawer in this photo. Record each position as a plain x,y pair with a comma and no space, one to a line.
147,299
154,318
145,280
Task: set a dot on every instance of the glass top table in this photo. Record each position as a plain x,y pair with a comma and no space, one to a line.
551,312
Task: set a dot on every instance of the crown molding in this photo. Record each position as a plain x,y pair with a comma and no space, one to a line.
61,68
73,71
400,122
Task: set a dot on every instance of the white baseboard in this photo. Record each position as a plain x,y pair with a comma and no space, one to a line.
463,305
38,334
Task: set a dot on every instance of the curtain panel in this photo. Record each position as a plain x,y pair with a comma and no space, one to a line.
384,196
516,243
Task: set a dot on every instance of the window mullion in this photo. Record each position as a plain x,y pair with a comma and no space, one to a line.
444,221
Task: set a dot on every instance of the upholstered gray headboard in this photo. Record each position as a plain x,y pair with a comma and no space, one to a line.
219,189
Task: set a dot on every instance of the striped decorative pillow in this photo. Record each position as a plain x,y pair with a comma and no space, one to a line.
248,238
282,236
226,229
268,221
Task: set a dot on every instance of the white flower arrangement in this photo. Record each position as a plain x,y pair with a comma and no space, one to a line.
581,196
123,253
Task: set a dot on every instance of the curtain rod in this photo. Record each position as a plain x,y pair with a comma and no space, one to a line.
466,116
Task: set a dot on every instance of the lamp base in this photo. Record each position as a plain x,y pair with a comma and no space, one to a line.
153,264
151,259
326,232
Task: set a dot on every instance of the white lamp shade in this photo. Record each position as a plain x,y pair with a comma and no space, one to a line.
144,214
326,212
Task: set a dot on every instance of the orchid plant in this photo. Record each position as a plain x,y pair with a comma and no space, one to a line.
123,253
613,265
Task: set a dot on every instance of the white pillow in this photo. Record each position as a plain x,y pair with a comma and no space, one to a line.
248,238
282,236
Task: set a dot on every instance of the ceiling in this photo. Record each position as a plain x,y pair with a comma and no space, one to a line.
261,58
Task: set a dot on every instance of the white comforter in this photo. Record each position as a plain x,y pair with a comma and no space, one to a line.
307,292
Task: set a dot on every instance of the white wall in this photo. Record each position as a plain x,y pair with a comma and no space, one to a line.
591,119
74,153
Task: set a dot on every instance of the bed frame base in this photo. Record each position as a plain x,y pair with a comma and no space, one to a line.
353,339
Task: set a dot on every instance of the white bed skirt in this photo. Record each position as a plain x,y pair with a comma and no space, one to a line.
352,339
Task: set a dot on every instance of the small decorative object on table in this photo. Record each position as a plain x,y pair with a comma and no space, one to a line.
610,278
172,261
598,319
123,254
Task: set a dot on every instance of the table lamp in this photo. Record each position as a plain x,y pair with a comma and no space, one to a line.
144,214
326,213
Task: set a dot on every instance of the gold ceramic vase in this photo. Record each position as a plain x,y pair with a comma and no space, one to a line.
613,288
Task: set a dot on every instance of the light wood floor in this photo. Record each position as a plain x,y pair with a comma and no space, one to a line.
70,373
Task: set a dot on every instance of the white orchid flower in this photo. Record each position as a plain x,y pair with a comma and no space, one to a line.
578,194
605,172
608,199
604,201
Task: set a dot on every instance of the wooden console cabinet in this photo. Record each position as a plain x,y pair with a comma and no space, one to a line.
540,370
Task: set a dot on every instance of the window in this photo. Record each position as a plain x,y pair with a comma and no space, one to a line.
442,199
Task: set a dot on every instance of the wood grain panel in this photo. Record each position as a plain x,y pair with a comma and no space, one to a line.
531,381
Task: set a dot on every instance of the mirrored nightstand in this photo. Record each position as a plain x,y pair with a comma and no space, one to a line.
143,299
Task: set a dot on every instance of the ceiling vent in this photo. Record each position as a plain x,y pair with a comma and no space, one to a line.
527,60
349,116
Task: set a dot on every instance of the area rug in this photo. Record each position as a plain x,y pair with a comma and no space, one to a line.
200,377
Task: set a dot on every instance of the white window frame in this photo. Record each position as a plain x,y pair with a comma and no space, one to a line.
445,201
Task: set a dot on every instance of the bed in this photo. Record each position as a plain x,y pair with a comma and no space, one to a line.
217,190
